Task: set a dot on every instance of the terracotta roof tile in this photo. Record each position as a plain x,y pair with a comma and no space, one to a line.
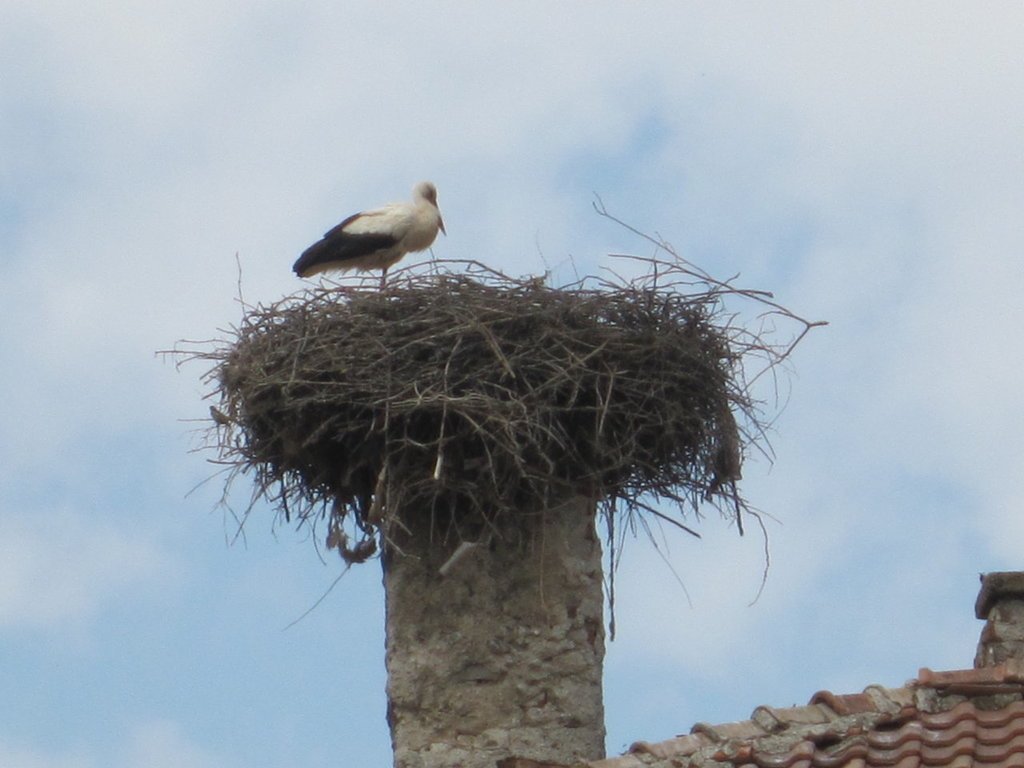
846,704
745,729
681,745
960,719
625,761
1007,676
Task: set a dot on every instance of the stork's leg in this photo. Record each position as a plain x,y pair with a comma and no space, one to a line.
383,277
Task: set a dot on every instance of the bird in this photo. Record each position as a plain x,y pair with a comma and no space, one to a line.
378,238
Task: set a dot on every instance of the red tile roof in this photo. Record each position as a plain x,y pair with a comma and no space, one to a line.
970,718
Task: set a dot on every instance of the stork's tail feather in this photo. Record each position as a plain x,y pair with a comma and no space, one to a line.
334,250
311,257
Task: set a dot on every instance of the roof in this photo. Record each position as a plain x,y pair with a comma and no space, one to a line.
959,718
956,719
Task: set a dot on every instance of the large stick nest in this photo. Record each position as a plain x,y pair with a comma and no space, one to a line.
463,398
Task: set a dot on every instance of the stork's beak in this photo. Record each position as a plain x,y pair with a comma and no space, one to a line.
440,224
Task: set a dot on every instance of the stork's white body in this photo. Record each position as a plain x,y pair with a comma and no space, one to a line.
378,238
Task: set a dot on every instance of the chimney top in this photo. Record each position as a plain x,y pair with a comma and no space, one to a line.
1001,604
998,586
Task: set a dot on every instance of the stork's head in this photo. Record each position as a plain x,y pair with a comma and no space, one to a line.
426,190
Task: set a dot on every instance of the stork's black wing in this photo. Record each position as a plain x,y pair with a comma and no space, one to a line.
339,246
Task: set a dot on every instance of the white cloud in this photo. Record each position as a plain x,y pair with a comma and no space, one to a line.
15,757
165,744
153,744
61,568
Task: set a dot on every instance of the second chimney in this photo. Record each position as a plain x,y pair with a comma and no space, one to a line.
1001,604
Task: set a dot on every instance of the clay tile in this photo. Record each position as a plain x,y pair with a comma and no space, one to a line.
717,734
744,754
677,747
810,714
1014,670
889,701
891,741
982,675
1006,677
765,717
967,729
625,761
798,756
829,700
850,753
642,748
845,704
728,756
741,731
997,753
1013,712
998,736
943,755
947,719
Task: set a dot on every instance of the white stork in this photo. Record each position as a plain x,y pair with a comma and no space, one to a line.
378,238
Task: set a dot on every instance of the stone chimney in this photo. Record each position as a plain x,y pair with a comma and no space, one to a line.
1001,604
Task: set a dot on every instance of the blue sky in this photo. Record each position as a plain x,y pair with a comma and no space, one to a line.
863,161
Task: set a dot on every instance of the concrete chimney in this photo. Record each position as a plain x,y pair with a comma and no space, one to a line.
1001,604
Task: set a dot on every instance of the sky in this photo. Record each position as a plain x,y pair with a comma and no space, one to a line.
862,161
